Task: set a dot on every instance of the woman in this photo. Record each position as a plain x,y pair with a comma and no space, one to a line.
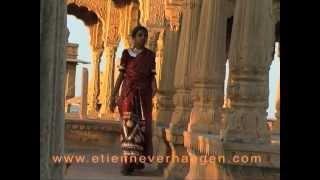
137,75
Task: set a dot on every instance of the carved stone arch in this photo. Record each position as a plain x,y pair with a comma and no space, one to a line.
96,6
91,20
88,16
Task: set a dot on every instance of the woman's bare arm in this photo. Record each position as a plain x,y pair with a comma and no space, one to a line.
118,84
115,91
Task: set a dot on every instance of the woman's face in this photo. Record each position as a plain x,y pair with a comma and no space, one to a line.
140,39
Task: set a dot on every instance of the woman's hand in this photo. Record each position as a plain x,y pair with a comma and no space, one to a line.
112,104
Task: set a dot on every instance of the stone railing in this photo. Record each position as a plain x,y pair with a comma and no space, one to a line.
91,134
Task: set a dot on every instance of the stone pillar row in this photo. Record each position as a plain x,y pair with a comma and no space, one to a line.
245,131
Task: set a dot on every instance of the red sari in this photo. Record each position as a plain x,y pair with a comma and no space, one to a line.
135,103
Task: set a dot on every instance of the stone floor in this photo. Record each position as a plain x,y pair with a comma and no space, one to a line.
109,171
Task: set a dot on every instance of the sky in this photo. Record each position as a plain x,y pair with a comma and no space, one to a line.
79,34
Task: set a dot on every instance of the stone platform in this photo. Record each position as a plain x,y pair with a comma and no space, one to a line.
91,134
96,137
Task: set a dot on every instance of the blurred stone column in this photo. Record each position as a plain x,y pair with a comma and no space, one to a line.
94,83
108,81
182,84
96,44
84,93
251,46
52,72
208,76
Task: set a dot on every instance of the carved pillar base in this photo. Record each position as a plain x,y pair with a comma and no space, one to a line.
212,159
204,151
161,114
178,167
201,169
246,125
206,113
163,107
162,146
174,134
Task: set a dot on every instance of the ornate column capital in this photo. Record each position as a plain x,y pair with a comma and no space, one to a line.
153,39
111,26
96,54
173,15
156,13
96,41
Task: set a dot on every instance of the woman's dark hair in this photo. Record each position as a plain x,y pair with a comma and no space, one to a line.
137,29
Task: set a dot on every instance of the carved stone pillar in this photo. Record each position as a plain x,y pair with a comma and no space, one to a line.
84,94
276,124
164,104
95,83
96,53
70,80
165,64
52,71
209,70
152,40
159,56
71,59
108,81
246,132
251,47
129,19
182,84
208,76
277,52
